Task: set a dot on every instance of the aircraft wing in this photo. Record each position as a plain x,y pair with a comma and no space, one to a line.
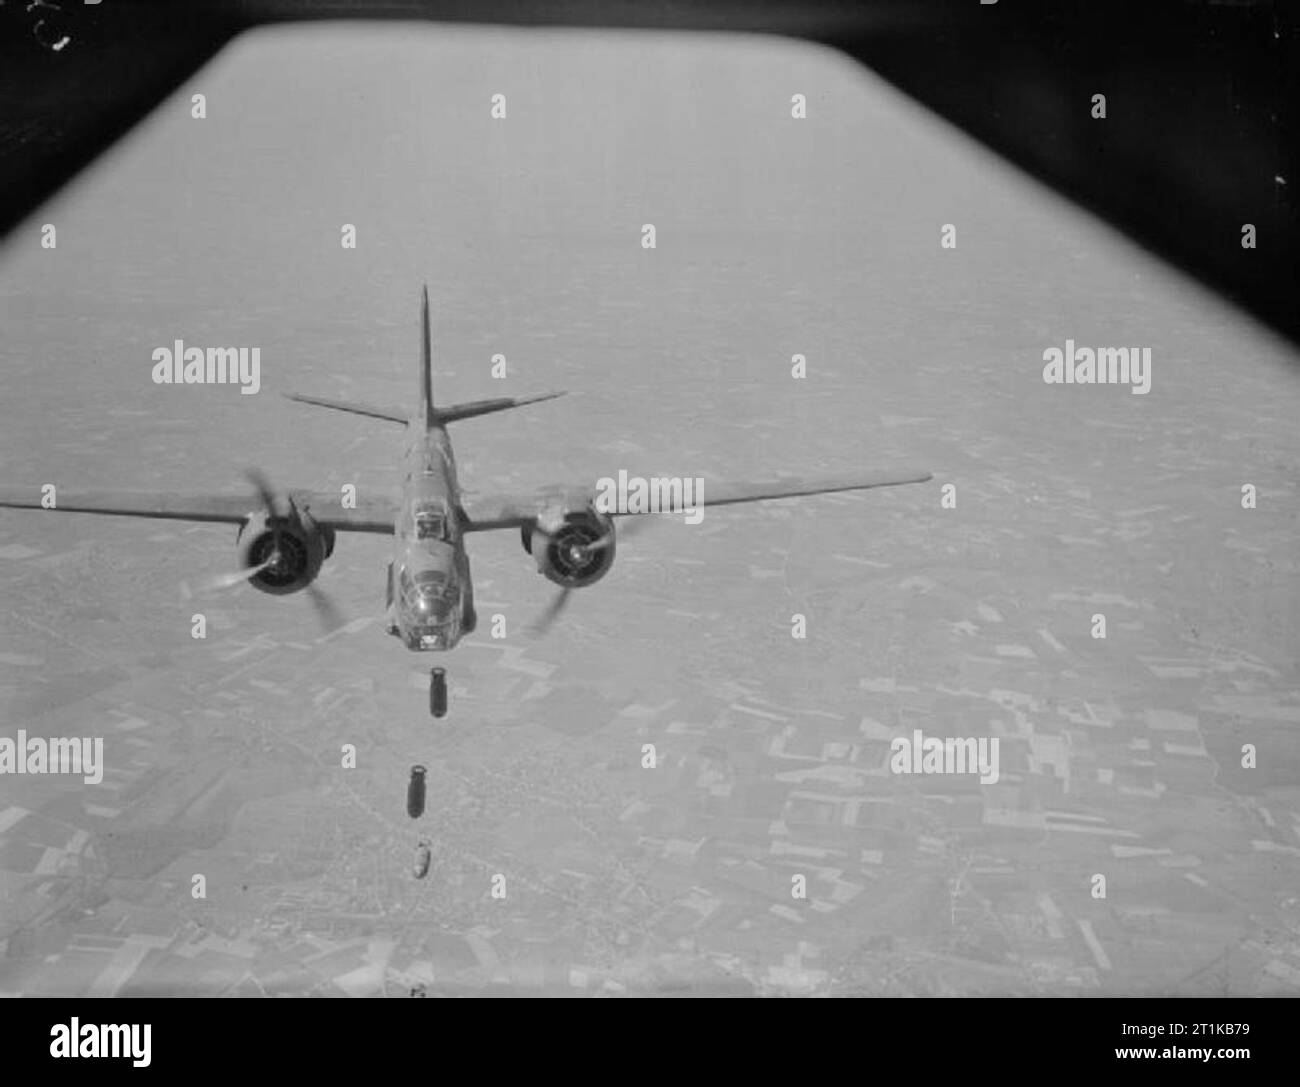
505,512
371,514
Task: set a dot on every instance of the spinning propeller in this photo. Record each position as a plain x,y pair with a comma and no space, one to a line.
576,553
279,509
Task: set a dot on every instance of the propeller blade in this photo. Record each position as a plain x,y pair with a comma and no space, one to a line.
230,580
628,527
546,620
331,618
266,494
262,486
631,526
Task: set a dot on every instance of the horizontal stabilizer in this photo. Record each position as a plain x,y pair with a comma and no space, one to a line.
484,407
391,414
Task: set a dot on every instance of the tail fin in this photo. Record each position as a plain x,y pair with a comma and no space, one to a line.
426,361
438,416
432,416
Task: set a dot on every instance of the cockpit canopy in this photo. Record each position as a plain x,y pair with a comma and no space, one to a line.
428,608
423,585
432,520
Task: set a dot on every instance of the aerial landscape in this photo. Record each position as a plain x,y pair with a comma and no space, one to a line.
630,803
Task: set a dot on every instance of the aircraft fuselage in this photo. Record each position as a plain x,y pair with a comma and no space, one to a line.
430,593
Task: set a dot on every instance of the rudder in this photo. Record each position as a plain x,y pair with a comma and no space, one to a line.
426,360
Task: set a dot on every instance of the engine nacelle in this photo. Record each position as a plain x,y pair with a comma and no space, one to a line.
303,546
566,556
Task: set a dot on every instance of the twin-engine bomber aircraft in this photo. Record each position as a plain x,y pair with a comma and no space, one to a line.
283,541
